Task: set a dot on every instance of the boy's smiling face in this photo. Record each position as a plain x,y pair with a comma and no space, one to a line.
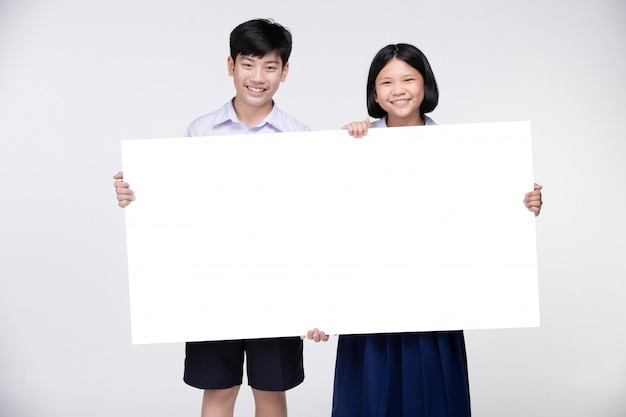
257,78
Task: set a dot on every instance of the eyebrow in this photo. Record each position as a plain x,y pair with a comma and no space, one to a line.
249,58
401,76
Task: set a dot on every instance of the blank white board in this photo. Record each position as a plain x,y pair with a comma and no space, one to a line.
407,229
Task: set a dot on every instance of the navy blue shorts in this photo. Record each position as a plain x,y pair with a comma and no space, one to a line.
272,364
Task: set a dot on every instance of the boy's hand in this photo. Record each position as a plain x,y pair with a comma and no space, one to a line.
532,200
316,335
358,129
124,194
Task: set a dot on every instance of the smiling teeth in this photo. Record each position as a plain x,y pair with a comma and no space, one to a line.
256,90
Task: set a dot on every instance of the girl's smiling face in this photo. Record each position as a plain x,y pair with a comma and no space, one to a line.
399,90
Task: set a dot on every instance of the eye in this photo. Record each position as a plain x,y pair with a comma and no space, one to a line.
271,68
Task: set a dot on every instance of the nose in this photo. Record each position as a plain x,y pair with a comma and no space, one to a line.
398,89
257,75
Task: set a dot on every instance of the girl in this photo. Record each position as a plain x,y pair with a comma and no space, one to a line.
402,374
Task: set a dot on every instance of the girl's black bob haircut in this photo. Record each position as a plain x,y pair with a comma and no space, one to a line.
413,57
258,37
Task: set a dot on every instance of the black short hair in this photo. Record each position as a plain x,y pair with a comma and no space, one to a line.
413,57
258,37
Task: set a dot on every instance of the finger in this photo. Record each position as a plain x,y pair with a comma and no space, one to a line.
120,184
316,335
533,203
351,129
534,206
364,127
122,191
532,197
126,199
119,175
535,195
123,203
359,130
356,129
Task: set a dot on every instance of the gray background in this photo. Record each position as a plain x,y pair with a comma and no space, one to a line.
78,76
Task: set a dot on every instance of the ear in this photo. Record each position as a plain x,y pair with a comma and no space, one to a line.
283,75
375,96
231,66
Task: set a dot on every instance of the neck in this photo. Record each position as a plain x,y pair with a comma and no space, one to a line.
417,120
251,115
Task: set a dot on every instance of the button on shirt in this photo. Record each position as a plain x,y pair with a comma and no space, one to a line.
224,121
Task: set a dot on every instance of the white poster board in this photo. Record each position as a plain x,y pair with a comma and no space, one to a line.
407,229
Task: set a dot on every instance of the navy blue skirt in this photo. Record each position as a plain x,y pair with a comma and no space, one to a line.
402,375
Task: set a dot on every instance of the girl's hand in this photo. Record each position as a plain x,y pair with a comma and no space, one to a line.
358,129
316,335
532,200
124,194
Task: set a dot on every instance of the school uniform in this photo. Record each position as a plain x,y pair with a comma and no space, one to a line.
421,374
273,364
224,121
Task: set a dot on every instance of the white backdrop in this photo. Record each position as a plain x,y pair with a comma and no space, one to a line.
78,76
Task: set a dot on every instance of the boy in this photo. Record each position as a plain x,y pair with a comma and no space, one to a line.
258,63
